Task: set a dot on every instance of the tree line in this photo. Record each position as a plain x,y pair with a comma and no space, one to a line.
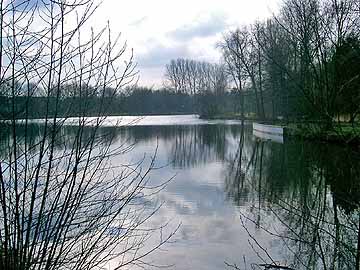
303,63
206,82
86,101
33,101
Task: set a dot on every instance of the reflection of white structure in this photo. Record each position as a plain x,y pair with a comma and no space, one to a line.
269,132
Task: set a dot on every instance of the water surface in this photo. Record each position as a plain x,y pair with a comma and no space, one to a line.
241,200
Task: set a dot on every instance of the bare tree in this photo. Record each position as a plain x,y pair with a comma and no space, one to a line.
317,29
296,60
243,59
67,207
194,77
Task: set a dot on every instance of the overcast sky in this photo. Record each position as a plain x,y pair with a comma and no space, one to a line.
161,30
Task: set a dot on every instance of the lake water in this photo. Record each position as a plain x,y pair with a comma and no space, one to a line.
245,201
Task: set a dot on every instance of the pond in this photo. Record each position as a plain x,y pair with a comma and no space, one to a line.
241,201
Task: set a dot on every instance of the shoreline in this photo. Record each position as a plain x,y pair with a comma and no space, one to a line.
341,133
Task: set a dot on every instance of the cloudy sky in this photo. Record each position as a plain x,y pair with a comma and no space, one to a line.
161,30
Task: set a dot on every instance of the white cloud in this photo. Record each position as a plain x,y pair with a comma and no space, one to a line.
160,30
209,26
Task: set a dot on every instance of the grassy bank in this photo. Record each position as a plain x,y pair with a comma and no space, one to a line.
337,132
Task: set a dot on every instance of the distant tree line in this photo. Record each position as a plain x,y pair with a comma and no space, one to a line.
206,82
303,63
32,101
90,101
194,77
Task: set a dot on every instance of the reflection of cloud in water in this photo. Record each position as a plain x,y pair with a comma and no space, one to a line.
211,232
215,182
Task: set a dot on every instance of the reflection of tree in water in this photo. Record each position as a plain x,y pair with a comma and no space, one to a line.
234,180
312,190
199,145
188,146
66,134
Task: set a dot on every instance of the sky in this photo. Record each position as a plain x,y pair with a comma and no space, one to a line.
161,30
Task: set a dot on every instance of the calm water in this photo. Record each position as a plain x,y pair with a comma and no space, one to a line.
245,201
